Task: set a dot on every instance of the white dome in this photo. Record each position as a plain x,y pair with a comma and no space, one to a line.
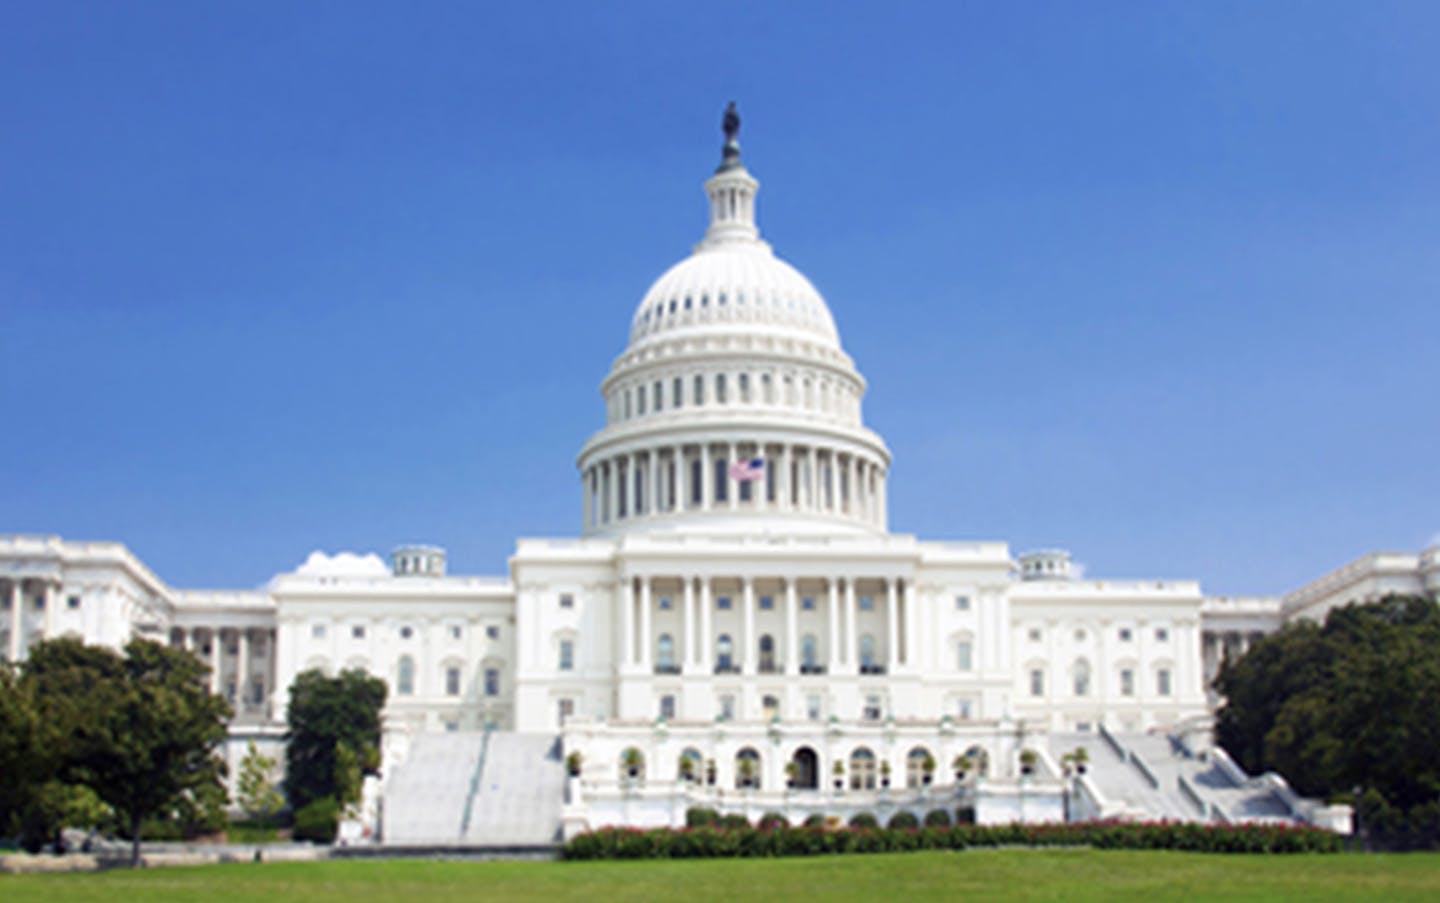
737,285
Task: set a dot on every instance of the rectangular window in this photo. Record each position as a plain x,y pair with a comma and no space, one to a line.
567,655
1125,634
722,479
1162,682
678,400
667,707
699,390
874,709
566,709
659,392
567,600
492,632
962,603
39,603
867,603
1162,635
456,631
965,709
767,603
1037,682
73,602
665,603
640,394
317,631
357,632
719,388
808,603
963,651
452,681
492,681
722,603
813,709
1127,682
1034,634
727,708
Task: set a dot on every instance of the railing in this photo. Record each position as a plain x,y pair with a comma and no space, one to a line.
727,669
1188,791
474,788
812,669
1114,744
667,669
872,669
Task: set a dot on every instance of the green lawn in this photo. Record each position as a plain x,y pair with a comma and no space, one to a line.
902,877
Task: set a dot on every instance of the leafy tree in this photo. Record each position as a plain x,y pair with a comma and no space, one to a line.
1353,703
334,735
258,796
140,730
22,763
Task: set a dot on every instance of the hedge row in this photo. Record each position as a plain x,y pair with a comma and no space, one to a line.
714,842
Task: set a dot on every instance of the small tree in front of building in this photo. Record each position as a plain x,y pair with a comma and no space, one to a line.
259,797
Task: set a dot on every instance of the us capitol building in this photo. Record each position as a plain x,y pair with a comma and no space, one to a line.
735,625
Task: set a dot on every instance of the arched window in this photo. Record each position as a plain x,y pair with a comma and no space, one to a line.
687,768
767,654
964,654
699,390
808,657
405,676
807,769
567,655
867,654
665,652
862,769
724,654
719,388
919,766
747,769
1081,676
632,765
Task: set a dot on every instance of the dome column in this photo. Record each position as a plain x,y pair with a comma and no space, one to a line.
653,507
682,475
782,478
732,485
707,478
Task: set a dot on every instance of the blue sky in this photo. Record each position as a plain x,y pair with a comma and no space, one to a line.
1156,282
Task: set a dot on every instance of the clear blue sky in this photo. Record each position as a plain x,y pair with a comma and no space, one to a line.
1156,282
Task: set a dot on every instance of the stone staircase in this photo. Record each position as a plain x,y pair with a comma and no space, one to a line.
1124,786
518,798
476,789
424,800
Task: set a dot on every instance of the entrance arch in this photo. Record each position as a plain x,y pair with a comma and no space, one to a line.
807,769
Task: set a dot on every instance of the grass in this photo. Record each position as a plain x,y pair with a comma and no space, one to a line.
1078,875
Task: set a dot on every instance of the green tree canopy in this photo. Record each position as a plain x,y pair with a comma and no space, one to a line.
140,730
1354,702
334,728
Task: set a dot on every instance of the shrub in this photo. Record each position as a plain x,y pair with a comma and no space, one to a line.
965,815
902,821
815,820
734,822
772,820
700,817
937,818
318,821
864,820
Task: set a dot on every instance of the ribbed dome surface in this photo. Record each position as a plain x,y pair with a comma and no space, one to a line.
741,284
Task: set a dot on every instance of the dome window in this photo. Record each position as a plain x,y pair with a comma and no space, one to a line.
672,305
722,299
687,303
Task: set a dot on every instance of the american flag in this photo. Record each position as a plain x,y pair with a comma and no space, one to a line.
748,471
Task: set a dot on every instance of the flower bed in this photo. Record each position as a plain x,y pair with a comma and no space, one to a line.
715,842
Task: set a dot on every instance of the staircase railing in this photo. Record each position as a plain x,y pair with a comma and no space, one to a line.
475,781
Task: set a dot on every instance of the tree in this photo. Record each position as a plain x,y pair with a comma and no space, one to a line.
141,730
1353,703
333,737
258,796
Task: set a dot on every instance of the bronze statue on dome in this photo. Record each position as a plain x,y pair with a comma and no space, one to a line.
731,123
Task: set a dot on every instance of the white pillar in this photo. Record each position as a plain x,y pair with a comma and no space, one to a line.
747,661
585,500
627,621
707,478
732,486
854,509
707,642
614,489
760,494
645,639
215,640
652,504
242,669
17,603
836,651
688,656
682,477
852,639
792,626
782,479
892,626
50,615
833,476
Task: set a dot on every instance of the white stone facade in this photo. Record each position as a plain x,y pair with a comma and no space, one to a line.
706,606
